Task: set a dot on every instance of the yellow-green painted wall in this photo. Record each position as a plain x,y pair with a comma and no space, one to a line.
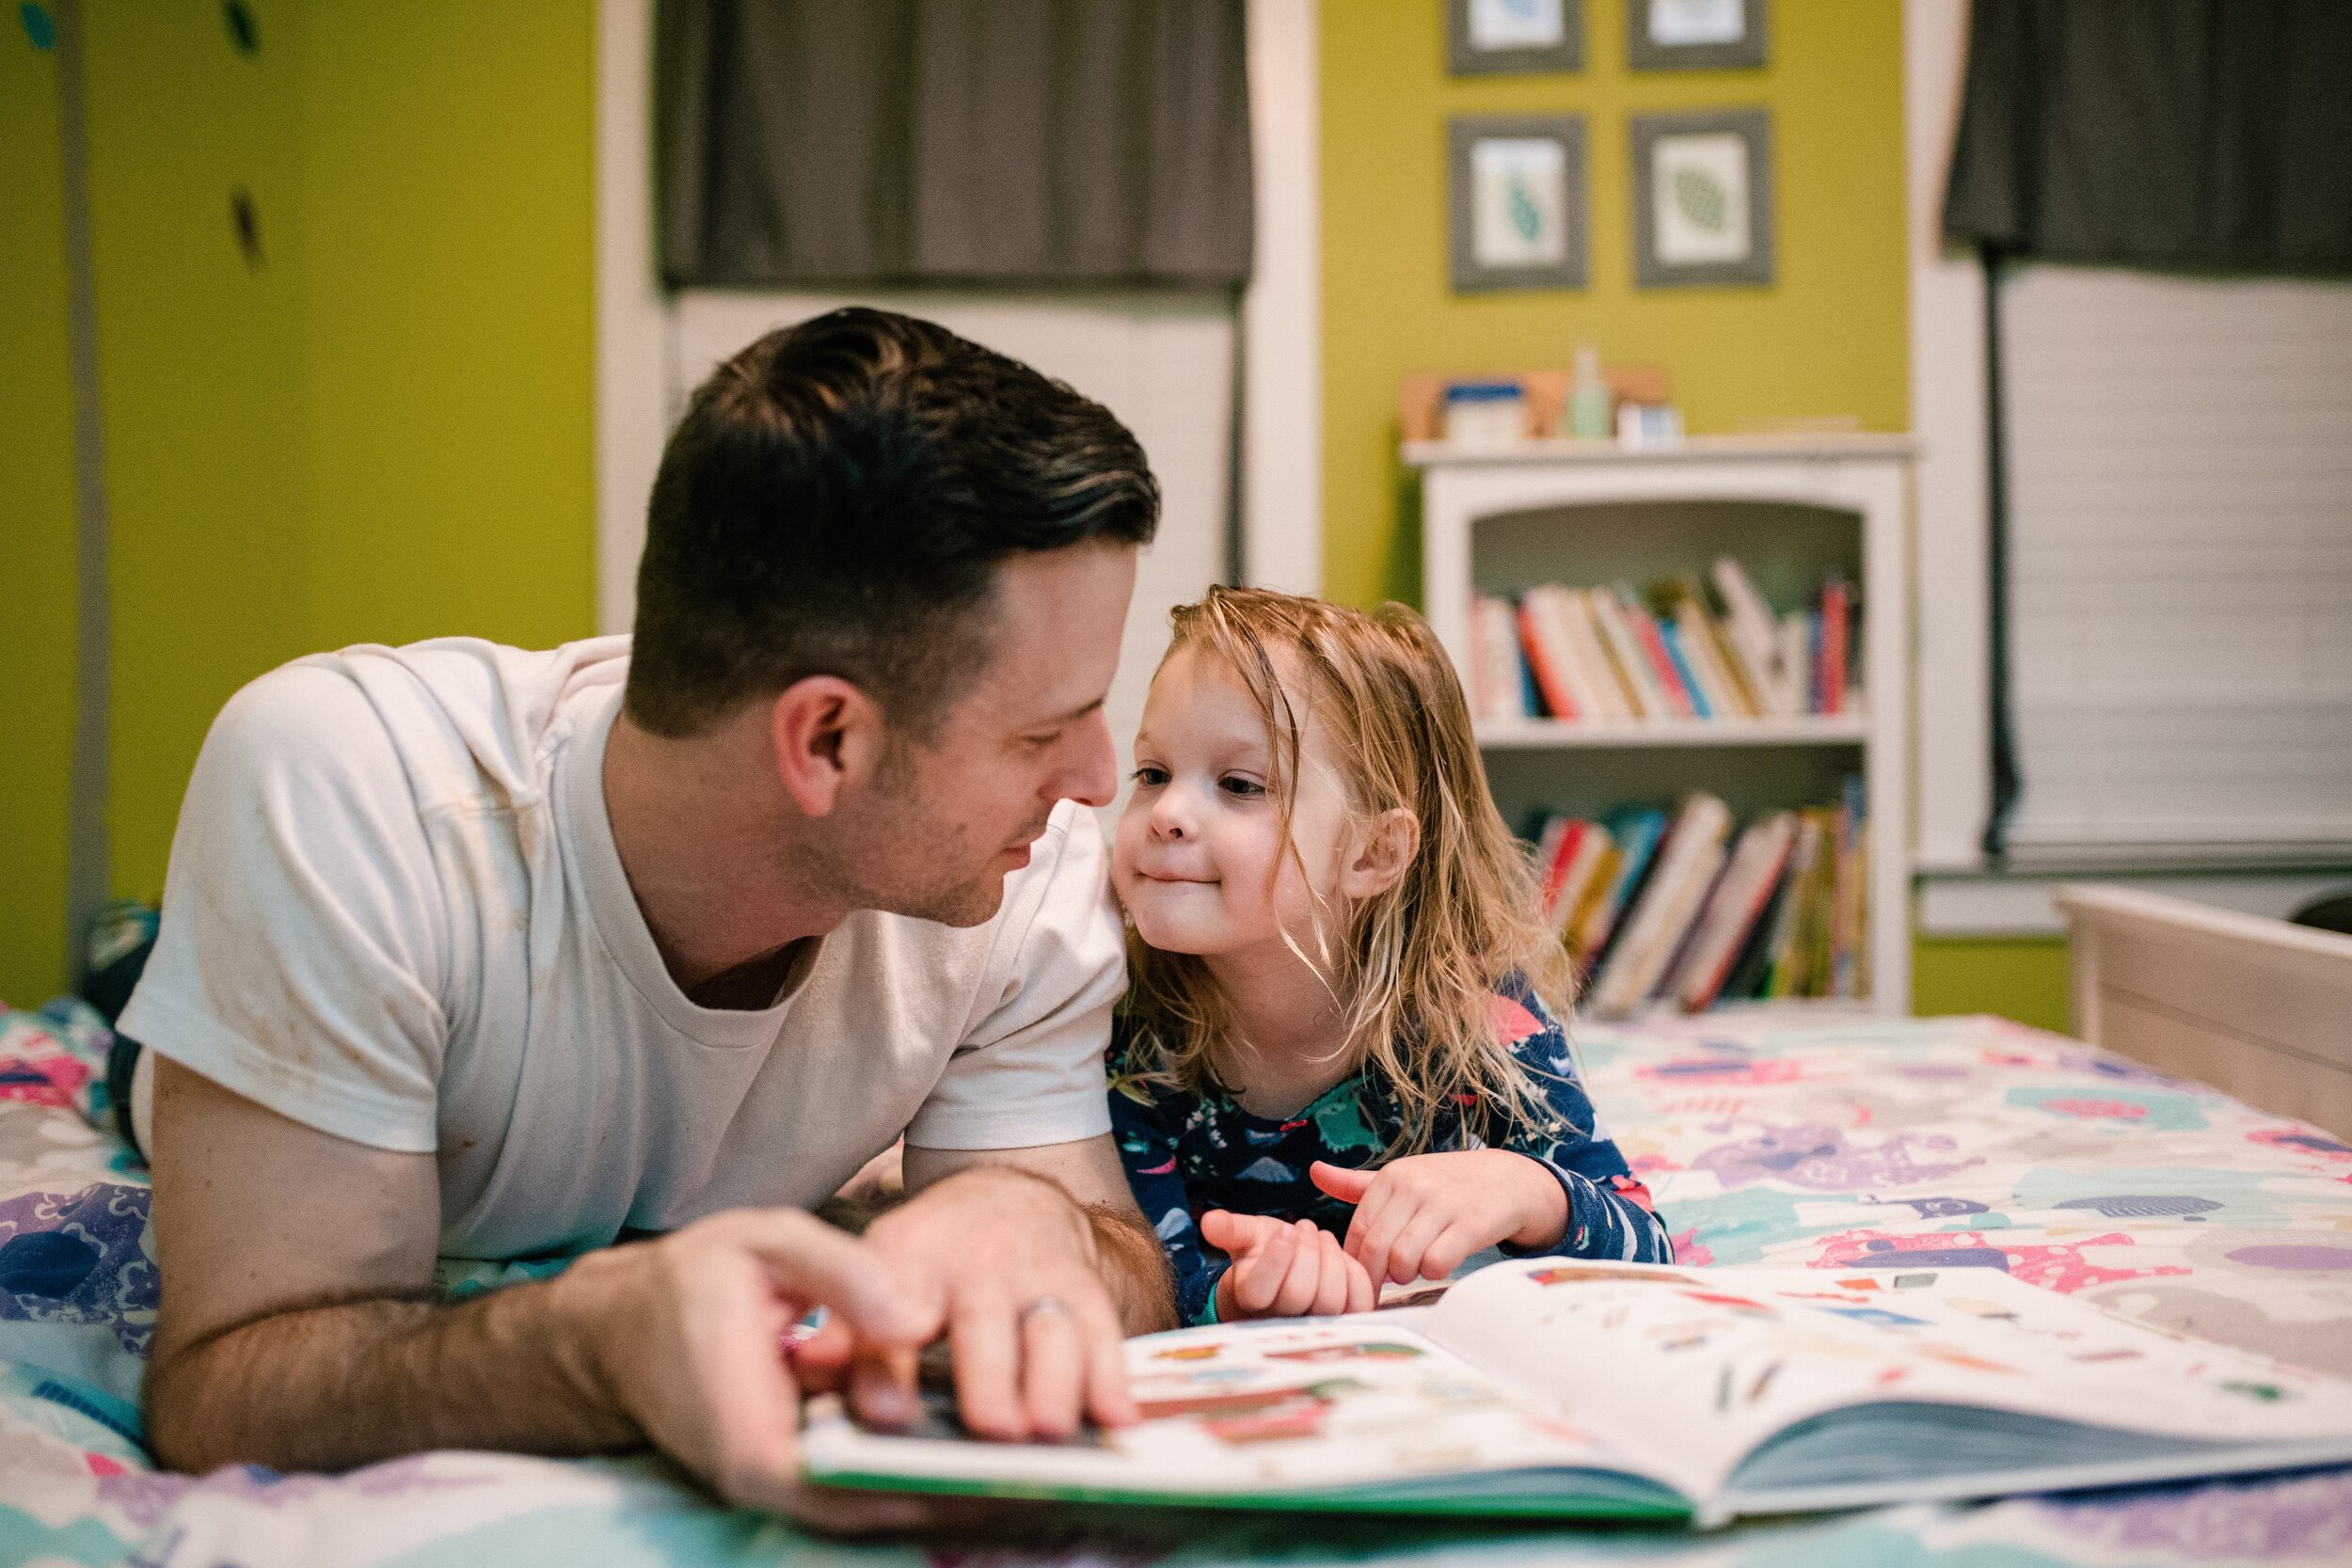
382,432
200,367
448,381
1828,337
2023,978
37,526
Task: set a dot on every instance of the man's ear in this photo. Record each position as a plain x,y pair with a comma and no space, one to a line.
827,738
1382,851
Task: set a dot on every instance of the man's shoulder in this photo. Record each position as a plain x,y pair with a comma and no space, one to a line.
463,717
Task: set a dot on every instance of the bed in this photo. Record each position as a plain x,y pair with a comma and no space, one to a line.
1769,1138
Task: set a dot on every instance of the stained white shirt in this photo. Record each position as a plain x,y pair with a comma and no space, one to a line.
395,913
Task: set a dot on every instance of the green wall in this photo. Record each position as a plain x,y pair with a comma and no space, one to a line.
2023,978
380,432
450,381
1828,338
200,366
37,525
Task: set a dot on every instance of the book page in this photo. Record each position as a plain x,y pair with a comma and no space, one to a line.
1689,1370
1285,1404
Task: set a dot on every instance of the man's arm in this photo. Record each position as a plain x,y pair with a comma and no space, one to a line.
294,1330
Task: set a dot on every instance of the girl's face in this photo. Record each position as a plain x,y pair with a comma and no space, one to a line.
1199,859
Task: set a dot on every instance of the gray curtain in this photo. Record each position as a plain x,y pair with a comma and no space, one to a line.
2192,134
1032,143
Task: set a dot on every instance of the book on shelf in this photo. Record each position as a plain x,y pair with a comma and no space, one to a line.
1679,909
1709,648
1559,1387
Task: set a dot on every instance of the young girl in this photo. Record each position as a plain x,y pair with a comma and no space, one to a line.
1339,1063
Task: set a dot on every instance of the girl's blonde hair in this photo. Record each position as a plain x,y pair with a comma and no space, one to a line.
1416,967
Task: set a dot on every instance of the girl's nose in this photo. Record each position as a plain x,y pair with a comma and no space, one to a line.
1168,818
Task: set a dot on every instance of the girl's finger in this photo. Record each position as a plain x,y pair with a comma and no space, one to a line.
1334,1280
1454,1246
1412,1241
1377,1225
1298,1293
1257,1274
1362,1294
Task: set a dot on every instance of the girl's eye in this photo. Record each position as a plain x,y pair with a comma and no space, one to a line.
1246,788
1151,777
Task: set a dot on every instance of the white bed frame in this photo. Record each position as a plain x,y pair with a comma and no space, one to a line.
2259,1008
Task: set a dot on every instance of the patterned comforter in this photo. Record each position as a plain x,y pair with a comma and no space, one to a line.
1767,1138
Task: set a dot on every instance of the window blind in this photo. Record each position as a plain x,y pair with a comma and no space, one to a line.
2180,462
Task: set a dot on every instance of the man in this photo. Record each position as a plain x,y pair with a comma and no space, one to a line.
488,954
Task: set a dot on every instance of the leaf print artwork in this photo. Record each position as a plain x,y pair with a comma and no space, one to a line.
1702,200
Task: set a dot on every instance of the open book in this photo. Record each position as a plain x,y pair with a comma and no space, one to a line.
1567,1388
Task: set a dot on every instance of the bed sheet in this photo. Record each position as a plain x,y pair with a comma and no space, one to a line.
1766,1140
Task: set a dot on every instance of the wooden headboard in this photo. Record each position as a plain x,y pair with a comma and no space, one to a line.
2258,1008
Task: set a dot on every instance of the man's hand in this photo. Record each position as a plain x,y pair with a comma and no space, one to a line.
1283,1268
686,1334
1012,1262
1419,1217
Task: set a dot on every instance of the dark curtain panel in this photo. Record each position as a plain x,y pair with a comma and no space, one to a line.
2188,134
1036,143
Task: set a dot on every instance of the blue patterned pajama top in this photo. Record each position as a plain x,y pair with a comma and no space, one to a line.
1187,1154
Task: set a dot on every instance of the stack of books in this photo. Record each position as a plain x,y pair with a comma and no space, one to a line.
1676,911
1616,656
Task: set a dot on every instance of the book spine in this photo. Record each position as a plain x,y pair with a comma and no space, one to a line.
1609,699
1639,836
1563,855
1653,645
1834,610
1764,855
1795,671
1747,628
1543,663
1626,653
1671,635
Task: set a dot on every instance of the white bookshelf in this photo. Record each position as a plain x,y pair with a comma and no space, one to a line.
1816,729
1591,511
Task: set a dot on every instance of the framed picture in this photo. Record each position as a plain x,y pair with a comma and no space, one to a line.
1517,202
1694,35
1702,199
1490,37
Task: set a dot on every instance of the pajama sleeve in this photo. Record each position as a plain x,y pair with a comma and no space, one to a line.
1145,1128
1610,1210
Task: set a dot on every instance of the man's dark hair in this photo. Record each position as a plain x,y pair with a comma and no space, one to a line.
836,501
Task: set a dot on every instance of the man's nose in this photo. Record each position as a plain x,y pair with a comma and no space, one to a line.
1094,777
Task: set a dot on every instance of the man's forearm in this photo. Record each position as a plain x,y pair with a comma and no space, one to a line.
1134,1268
331,1387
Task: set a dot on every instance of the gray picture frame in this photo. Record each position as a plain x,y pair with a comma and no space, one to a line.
1463,58
1749,52
1473,276
1753,127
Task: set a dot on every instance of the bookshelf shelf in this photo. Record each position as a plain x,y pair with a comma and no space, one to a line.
1791,511
1823,729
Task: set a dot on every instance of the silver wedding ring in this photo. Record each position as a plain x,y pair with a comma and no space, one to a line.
1044,1305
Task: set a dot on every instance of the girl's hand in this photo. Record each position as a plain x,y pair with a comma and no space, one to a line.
1419,1217
1283,1268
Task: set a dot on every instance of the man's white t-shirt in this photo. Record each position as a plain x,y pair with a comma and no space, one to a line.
395,913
